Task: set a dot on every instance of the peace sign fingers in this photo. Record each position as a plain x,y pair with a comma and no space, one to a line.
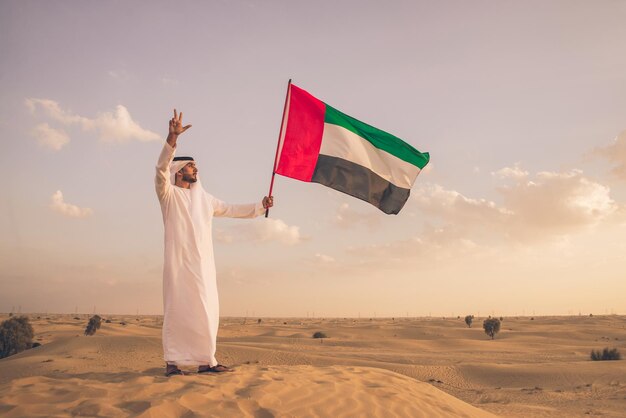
176,124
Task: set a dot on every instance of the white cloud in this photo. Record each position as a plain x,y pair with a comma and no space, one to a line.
120,127
261,231
511,172
346,217
452,206
58,205
319,261
558,203
430,247
551,204
50,137
54,111
549,208
169,81
616,153
536,215
118,75
117,126
323,258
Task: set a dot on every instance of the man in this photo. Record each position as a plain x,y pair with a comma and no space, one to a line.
191,309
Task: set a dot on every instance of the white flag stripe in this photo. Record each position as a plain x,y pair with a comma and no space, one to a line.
339,142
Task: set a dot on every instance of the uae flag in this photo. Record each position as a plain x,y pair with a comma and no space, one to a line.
323,145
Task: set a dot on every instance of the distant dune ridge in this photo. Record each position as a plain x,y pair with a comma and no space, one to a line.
404,367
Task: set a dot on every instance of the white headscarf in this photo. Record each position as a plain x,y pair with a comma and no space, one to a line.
200,209
175,167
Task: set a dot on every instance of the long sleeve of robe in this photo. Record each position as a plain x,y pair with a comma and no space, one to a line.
190,300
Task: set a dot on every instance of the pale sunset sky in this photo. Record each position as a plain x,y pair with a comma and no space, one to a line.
521,104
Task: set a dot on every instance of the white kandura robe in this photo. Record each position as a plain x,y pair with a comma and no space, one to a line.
191,307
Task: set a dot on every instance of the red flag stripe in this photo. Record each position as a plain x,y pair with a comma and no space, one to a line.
303,136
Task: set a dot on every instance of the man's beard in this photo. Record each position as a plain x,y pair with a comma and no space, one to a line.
189,178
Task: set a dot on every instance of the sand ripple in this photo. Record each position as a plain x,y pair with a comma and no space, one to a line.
252,391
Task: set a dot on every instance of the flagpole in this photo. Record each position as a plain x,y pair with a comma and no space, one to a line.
280,134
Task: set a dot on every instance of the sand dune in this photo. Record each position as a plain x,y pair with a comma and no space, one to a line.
254,391
382,367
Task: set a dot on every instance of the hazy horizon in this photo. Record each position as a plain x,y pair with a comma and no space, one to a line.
252,316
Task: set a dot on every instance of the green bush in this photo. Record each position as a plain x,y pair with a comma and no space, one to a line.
491,327
93,325
319,334
468,320
606,354
16,335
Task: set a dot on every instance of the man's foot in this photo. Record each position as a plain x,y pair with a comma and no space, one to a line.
215,369
173,370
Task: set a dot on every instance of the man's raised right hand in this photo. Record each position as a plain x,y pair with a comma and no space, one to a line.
176,128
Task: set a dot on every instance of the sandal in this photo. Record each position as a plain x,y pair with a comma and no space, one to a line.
172,370
218,368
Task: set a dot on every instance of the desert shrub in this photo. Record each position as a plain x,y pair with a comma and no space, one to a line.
468,320
491,327
319,334
93,325
16,335
606,354
108,321
259,321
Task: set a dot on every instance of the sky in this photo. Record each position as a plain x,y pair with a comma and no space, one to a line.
521,105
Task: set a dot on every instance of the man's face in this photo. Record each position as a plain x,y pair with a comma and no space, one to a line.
190,173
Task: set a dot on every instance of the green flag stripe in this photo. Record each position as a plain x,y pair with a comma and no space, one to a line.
379,139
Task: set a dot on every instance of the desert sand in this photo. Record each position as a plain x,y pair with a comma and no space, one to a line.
386,367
